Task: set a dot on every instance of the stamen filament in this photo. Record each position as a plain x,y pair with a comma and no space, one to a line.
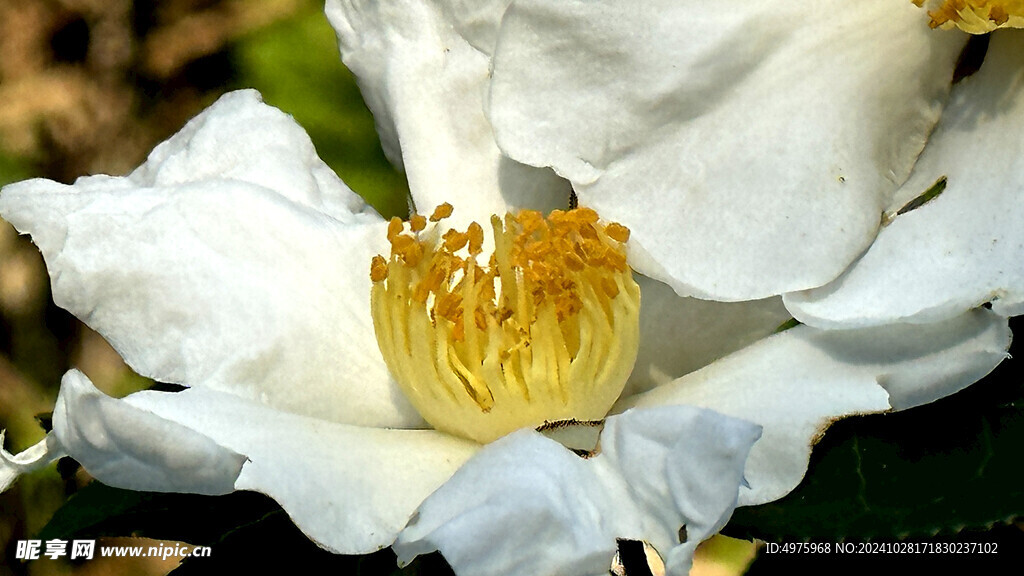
547,330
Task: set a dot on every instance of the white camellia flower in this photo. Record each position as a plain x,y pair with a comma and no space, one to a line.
751,153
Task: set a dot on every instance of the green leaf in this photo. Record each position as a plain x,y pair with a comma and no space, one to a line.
940,468
88,509
297,67
98,510
787,325
927,196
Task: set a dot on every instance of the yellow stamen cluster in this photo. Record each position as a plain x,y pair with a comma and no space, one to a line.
976,16
546,330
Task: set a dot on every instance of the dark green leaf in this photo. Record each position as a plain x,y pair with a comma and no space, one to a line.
925,197
98,510
788,324
88,509
244,530
273,544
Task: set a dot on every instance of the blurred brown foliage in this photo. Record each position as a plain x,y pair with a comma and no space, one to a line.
86,87
89,86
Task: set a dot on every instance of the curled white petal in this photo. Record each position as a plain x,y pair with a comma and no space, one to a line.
751,155
964,247
131,448
242,139
28,460
965,348
796,383
349,488
526,505
232,259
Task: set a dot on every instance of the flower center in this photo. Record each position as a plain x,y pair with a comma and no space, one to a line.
976,16
546,330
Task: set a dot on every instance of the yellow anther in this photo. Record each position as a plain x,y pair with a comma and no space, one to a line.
448,306
585,215
617,232
999,15
441,212
455,240
402,242
546,330
610,287
532,221
408,248
617,260
378,269
574,262
480,319
476,238
975,16
394,228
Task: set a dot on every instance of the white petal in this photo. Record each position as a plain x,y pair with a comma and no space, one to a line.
965,247
798,382
231,259
240,138
526,505
349,488
750,155
423,69
28,460
679,334
131,448
971,346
